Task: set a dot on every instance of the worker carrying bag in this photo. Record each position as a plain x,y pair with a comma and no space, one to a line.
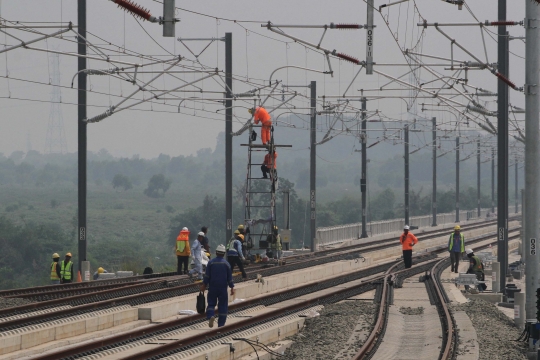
201,303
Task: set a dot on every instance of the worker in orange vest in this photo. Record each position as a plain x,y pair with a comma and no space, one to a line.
183,250
269,164
407,241
262,116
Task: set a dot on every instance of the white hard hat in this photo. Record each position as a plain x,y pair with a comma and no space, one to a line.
468,251
406,227
200,233
185,229
220,249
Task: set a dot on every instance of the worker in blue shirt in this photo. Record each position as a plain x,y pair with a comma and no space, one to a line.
218,276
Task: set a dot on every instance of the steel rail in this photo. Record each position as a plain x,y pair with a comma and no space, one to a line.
158,329
60,293
173,291
447,353
257,320
147,277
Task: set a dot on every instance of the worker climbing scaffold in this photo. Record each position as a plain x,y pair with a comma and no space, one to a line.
260,197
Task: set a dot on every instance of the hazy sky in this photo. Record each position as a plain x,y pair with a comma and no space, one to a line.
150,133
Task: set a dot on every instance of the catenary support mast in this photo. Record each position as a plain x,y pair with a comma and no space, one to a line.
406,140
502,147
457,179
434,186
478,193
313,165
492,180
532,155
363,180
81,115
228,135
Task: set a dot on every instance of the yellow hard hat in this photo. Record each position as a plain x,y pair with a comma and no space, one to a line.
241,237
55,256
100,270
250,111
240,227
457,227
68,254
237,232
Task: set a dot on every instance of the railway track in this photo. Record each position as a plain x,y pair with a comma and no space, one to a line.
150,334
151,338
156,289
50,292
438,297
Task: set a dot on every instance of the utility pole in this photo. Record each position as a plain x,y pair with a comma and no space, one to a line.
492,180
228,136
457,179
478,194
81,115
406,131
516,186
434,158
502,146
313,165
363,180
369,38
532,155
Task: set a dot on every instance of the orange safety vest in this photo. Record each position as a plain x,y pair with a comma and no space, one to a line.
263,116
182,244
407,241
268,160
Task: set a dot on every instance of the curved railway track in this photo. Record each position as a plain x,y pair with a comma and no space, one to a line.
436,293
150,335
159,289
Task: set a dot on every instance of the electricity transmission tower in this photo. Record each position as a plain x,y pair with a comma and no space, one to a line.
55,142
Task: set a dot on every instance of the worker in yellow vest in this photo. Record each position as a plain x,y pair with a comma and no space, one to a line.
55,269
66,270
183,251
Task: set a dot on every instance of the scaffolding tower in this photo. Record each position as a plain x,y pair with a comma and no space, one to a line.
260,192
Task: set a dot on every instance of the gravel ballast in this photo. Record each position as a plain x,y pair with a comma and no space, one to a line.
411,311
11,302
496,332
337,333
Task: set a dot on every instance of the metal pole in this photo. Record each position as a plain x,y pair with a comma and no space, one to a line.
406,131
492,180
228,136
363,180
313,164
524,247
457,179
434,158
516,186
478,194
369,38
532,155
82,145
502,147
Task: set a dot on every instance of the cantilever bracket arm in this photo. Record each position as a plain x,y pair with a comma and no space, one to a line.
296,67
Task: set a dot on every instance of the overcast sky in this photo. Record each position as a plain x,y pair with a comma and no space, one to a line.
149,133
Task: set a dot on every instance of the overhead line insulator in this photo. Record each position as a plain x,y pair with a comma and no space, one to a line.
348,58
506,80
348,26
503,23
135,9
